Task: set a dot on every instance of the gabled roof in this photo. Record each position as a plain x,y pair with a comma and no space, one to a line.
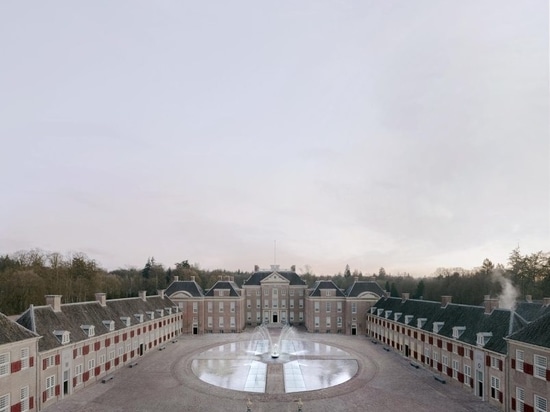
325,285
535,333
500,322
225,285
359,287
188,286
257,277
531,310
43,320
11,332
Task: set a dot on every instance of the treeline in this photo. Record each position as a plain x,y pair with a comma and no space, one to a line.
26,277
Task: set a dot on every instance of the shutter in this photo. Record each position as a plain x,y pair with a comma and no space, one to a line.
16,407
57,390
31,402
74,382
500,364
44,396
500,396
31,362
548,374
44,363
513,404
528,368
57,359
513,364
449,347
74,353
461,351
487,360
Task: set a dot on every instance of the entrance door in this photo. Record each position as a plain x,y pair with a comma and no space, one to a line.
479,375
406,351
65,382
275,317
141,349
195,330
354,330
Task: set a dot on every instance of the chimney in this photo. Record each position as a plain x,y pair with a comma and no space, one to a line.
256,268
405,296
490,304
142,295
546,301
293,268
445,300
176,278
54,301
529,298
101,298
192,278
220,277
356,278
160,292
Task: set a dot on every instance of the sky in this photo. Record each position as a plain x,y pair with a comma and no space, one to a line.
397,134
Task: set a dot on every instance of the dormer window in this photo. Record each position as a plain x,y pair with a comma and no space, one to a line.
379,312
388,314
437,326
396,316
408,319
64,336
176,309
125,320
109,324
420,323
139,317
327,293
373,309
220,292
160,312
483,338
168,311
151,314
88,330
458,331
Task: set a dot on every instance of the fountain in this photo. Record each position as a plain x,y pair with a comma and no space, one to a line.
274,360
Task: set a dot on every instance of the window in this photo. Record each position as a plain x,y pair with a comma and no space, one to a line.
232,321
209,307
301,292
195,307
467,374
540,363
301,316
519,360
483,338
24,399
78,373
266,292
494,362
339,306
495,387
248,303
291,303
283,292
89,330
258,304
541,404
316,306
456,368
248,316
5,403
316,321
125,320
50,386
435,356
353,307
291,292
232,307
427,355
301,303
327,292
102,359
63,336
111,355
458,331
339,321
520,399
258,292
445,360
327,307
220,322
275,291
220,307
4,364
91,366
209,323
328,321
109,324
24,358
292,316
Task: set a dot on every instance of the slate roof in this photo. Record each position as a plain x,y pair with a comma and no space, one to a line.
257,277
325,285
362,286
536,333
500,322
43,320
531,310
189,286
11,332
224,284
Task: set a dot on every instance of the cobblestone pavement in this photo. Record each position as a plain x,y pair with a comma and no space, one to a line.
163,381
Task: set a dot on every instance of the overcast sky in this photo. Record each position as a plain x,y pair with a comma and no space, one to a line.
408,135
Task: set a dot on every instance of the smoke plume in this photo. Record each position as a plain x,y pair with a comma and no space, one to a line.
508,297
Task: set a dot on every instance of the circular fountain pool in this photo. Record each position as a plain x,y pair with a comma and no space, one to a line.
300,365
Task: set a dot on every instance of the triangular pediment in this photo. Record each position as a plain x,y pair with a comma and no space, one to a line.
275,278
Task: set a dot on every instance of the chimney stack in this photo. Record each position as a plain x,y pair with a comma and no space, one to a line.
546,301
405,296
192,278
54,301
176,278
490,304
256,268
445,300
160,292
101,298
529,298
293,268
142,295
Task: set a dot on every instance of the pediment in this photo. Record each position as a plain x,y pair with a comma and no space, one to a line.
369,295
275,278
181,295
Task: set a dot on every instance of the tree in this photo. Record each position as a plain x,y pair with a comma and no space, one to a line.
347,272
419,294
393,291
382,273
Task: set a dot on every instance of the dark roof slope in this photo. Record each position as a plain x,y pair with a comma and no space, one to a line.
43,320
531,310
359,287
536,333
222,284
257,277
11,331
325,285
189,286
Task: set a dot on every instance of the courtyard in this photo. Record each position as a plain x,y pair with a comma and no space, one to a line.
164,380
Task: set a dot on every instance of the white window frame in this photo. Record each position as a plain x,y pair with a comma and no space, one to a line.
456,368
467,374
24,397
50,386
495,387
353,307
78,373
4,364
24,358
520,399
316,306
540,363
5,403
91,366
520,359
540,404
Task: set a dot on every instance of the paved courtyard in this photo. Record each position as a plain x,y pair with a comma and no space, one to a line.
164,381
